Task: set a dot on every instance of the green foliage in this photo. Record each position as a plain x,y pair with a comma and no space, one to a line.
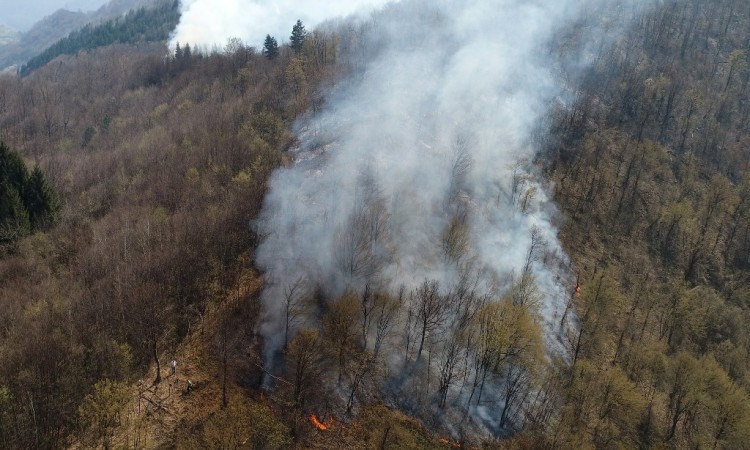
14,218
605,403
340,328
88,135
100,411
270,47
298,37
244,424
383,428
269,127
40,200
304,354
652,171
505,330
13,171
27,203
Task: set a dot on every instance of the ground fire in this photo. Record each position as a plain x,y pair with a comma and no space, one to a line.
449,442
322,426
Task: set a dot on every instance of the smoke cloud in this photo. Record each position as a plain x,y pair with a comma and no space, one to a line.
437,130
210,24
421,168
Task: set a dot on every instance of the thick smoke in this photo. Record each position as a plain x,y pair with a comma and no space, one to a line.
421,169
210,24
436,132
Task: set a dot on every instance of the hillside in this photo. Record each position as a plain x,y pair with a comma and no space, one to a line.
7,35
152,24
650,167
55,27
310,234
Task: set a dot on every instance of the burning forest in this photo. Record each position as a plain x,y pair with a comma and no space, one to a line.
415,224
412,231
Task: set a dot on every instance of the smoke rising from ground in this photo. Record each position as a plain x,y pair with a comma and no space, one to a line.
211,23
420,169
438,131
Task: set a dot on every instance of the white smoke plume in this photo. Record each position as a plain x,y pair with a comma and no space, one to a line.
439,127
420,169
209,24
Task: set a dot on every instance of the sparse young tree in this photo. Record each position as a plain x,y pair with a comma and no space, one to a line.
362,245
685,383
362,368
245,424
451,361
603,401
295,296
304,355
101,410
430,310
386,313
501,332
340,329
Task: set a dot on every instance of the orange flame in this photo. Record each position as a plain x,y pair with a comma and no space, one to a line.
322,426
262,397
449,442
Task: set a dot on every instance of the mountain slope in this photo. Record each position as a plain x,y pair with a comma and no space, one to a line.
7,35
650,167
138,26
162,162
56,26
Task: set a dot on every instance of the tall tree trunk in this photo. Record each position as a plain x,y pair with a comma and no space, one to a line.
155,353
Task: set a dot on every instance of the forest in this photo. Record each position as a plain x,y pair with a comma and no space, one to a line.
133,183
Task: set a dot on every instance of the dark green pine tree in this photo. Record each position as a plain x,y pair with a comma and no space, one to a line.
12,169
270,47
40,200
178,52
27,202
297,39
14,220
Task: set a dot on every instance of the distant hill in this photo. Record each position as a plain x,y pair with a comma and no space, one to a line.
55,27
24,14
7,35
142,25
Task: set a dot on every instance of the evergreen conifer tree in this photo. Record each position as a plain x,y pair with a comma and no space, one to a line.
270,47
27,202
297,39
40,200
14,220
12,169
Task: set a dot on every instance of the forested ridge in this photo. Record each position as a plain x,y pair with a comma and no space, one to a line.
153,168
650,167
56,26
152,24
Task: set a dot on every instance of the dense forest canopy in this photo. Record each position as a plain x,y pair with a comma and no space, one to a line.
27,203
129,245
